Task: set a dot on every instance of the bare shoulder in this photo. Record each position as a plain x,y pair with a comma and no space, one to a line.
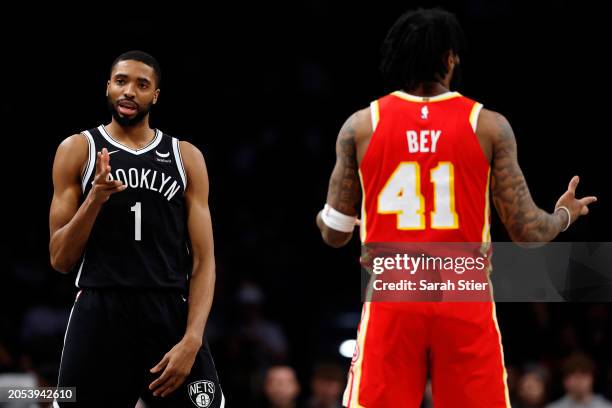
195,165
191,154
494,125
363,118
358,126
74,144
72,154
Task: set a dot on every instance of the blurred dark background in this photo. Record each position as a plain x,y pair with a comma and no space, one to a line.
262,90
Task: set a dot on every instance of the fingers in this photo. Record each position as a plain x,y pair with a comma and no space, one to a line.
584,210
167,382
110,185
163,377
573,184
102,165
117,189
105,163
109,188
358,222
169,386
587,200
99,164
103,169
171,389
160,365
160,381
103,159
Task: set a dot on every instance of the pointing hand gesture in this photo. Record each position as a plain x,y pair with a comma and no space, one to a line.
103,186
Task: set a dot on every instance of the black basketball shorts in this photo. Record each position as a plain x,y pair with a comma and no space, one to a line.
114,337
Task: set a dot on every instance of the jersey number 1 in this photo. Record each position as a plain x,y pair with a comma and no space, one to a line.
402,196
137,209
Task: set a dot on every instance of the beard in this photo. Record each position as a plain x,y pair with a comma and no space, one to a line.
125,121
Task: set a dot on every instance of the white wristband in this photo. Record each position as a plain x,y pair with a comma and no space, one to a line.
569,217
336,220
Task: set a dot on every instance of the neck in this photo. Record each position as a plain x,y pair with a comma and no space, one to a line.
139,134
429,89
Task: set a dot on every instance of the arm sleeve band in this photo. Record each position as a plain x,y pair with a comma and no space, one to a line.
336,220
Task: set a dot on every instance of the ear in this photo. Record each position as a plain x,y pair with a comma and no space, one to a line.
155,96
107,86
451,60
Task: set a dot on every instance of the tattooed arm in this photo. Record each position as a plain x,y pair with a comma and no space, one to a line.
524,221
344,190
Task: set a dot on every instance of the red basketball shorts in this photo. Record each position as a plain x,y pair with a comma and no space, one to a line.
459,344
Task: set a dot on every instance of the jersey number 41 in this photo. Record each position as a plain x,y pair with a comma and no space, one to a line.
402,196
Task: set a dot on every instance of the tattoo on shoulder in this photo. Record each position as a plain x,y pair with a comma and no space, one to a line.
511,195
344,189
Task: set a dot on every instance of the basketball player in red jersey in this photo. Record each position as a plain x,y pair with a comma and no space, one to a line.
424,156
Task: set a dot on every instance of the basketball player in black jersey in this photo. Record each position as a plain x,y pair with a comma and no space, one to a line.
130,214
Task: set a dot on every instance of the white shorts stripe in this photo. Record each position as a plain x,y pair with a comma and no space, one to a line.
55,404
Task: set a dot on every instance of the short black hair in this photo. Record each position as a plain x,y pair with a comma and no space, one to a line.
578,362
143,57
415,47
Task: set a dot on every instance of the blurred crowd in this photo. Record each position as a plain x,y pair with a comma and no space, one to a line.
557,355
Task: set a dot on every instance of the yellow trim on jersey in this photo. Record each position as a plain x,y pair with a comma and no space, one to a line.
353,402
474,115
413,98
375,112
486,227
501,349
362,228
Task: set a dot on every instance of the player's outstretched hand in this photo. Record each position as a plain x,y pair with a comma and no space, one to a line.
176,365
576,207
103,187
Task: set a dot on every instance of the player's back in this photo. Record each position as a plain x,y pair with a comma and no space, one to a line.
424,175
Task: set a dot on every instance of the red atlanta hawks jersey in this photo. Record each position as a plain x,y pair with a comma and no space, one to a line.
424,175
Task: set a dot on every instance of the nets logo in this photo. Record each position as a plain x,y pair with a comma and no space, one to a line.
201,393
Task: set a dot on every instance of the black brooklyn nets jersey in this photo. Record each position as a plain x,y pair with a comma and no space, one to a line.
140,237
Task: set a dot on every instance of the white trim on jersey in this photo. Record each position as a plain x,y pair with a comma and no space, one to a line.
222,405
374,112
415,98
76,282
152,145
474,115
179,161
91,159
